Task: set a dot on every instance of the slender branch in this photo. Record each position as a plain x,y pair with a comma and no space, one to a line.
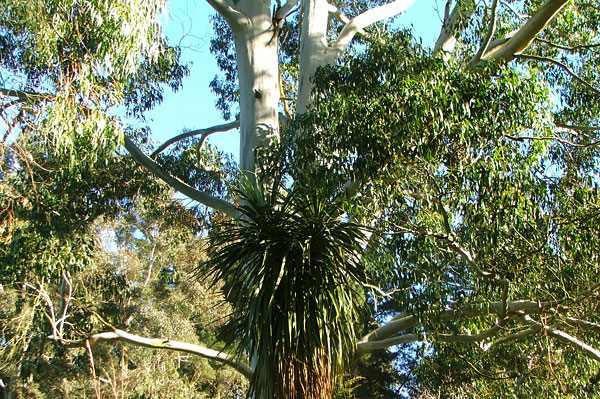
24,95
587,292
384,335
516,336
552,138
525,35
562,66
568,48
488,37
511,8
367,18
588,350
583,324
363,347
579,128
203,133
468,338
342,17
119,335
156,169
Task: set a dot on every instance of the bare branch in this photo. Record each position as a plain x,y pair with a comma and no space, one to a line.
511,8
205,199
363,347
447,38
579,128
204,133
342,18
588,350
367,18
568,48
233,17
551,138
583,324
24,95
285,9
488,37
384,335
119,335
468,338
524,36
563,67
516,336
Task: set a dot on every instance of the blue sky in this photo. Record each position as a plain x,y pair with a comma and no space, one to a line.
193,106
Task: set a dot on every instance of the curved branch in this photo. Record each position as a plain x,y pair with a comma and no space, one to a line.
552,138
383,336
563,67
204,133
516,336
363,347
488,37
205,199
583,324
119,335
367,18
233,17
468,338
569,48
525,35
588,350
579,128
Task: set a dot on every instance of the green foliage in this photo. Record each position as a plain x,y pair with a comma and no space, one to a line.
292,274
141,270
438,155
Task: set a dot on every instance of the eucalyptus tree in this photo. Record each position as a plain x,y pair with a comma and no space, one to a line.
456,186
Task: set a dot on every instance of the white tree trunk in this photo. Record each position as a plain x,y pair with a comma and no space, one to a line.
256,44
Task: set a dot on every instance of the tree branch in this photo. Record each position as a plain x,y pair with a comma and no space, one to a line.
204,133
563,336
557,139
579,128
516,336
367,18
285,9
119,335
383,336
562,66
568,48
363,347
488,37
24,95
468,338
524,36
446,40
583,324
205,199
233,17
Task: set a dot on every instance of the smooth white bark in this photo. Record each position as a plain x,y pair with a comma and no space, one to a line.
314,50
524,36
256,46
184,188
119,335
446,41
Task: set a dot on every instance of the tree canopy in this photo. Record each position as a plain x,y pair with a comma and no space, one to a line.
442,202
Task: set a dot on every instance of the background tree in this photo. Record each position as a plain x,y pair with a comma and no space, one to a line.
459,182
